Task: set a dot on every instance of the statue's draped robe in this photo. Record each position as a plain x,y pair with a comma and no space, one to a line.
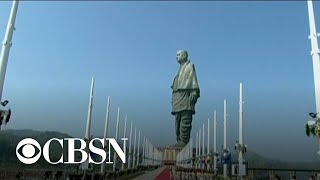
184,85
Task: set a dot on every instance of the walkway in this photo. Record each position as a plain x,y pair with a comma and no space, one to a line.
150,174
164,175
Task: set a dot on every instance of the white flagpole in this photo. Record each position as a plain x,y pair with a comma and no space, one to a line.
134,147
215,140
130,147
191,152
203,155
208,146
144,151
197,147
208,143
89,116
124,136
240,132
85,165
117,139
225,166
138,155
105,134
200,152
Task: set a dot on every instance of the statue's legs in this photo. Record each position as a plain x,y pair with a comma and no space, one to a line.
178,122
185,126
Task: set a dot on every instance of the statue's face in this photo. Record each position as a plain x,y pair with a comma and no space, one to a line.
180,56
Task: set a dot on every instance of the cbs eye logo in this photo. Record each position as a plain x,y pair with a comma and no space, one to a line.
27,154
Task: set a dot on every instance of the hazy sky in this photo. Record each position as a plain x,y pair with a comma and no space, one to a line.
130,48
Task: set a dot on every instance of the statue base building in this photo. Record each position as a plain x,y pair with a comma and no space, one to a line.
169,155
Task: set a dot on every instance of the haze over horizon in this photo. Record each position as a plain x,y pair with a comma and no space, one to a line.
130,48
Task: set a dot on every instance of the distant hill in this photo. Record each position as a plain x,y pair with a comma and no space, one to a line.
23,133
258,161
10,138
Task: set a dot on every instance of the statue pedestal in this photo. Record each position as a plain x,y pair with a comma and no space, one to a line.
169,155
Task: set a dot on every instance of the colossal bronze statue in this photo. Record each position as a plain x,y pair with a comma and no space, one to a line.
185,93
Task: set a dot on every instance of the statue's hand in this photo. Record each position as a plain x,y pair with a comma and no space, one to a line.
193,98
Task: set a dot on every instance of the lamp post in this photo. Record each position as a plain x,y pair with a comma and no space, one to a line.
313,126
4,56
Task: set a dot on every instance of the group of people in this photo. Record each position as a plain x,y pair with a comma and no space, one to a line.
180,173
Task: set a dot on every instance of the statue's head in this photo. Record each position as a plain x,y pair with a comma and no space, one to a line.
182,56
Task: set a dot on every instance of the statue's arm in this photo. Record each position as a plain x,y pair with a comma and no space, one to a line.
174,81
195,93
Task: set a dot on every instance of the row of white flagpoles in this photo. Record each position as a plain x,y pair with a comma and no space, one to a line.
185,156
150,155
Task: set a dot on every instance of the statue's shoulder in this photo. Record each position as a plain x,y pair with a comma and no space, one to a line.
190,64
